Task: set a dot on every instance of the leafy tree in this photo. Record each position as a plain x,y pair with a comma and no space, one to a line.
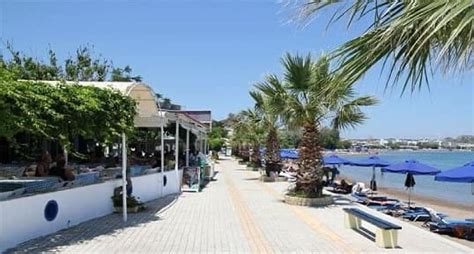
344,144
83,66
393,146
414,35
119,74
217,136
329,138
289,138
309,94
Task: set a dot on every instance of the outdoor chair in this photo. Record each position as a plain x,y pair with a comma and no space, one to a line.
440,224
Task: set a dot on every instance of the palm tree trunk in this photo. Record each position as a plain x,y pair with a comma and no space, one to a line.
272,153
310,169
255,157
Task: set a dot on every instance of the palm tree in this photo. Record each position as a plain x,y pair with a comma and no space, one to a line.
417,36
308,96
254,134
249,132
269,121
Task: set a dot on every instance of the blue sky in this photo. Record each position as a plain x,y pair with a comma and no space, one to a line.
208,54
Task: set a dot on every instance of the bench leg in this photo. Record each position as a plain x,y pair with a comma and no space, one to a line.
352,221
386,238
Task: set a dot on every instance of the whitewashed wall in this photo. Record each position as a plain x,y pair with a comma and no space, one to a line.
22,219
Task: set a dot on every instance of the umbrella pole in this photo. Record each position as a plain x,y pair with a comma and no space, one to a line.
409,197
372,181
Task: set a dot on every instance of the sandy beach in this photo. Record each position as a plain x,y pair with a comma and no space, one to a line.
454,210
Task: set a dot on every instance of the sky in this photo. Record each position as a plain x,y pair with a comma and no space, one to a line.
208,55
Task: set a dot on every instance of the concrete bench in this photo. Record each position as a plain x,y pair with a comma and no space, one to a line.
386,235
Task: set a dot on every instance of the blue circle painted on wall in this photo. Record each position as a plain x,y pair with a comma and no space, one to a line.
51,210
164,180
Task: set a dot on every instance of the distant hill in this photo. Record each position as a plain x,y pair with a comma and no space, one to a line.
465,139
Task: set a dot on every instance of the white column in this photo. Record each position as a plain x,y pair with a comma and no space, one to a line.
201,145
66,155
205,146
162,156
176,155
187,147
124,177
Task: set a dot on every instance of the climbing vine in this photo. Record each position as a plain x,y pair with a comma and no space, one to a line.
61,111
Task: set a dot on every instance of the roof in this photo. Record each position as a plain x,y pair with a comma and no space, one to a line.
204,116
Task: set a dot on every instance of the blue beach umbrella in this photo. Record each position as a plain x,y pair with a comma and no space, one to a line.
334,160
463,174
372,161
288,154
410,168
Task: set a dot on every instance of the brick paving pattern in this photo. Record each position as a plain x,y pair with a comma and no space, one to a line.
234,214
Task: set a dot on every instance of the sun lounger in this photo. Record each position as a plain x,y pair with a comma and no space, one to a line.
417,214
458,227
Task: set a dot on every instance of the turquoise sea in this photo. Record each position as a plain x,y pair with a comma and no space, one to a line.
425,185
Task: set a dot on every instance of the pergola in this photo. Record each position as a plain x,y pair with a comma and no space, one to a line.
149,115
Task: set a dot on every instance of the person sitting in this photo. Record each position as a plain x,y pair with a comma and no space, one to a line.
43,165
61,171
343,187
111,162
155,162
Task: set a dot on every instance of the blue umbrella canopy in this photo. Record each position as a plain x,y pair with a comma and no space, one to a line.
464,174
372,161
288,154
334,160
411,166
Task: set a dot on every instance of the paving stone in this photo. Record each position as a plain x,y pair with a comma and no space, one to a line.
236,213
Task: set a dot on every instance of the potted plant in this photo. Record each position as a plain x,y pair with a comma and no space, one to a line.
133,205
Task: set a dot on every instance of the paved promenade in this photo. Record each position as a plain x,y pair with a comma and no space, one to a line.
234,214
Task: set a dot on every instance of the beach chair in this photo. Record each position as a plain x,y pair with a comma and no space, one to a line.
417,214
439,223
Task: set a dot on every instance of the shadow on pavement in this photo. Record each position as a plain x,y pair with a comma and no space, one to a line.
252,179
107,225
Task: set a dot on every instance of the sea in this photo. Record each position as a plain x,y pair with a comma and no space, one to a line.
461,193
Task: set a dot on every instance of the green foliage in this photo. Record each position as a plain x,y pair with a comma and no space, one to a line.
289,138
308,95
428,145
216,144
329,138
131,201
393,146
83,66
344,144
61,111
166,103
410,37
125,74
217,136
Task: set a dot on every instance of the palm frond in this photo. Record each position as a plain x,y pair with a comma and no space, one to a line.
417,37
